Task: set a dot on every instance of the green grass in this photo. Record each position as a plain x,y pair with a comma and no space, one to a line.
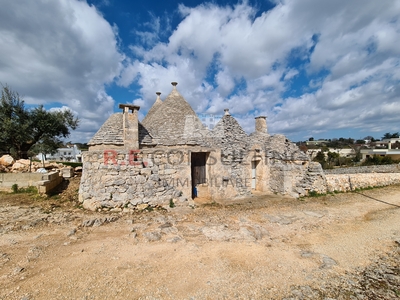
28,190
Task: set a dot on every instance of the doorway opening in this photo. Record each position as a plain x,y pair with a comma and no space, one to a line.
198,170
254,174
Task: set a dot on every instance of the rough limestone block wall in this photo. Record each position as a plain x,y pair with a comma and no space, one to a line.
115,179
349,182
297,178
291,171
237,171
313,179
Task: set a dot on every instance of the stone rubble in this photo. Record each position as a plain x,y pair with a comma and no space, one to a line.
9,165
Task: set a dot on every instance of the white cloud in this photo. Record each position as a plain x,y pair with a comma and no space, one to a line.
221,56
225,82
249,62
60,51
290,74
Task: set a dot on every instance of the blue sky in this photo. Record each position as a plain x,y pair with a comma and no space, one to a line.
315,68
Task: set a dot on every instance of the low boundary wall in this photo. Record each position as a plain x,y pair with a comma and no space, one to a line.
43,182
349,182
393,168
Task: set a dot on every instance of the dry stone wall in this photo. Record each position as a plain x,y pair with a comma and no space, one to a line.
112,179
297,178
349,182
393,168
291,171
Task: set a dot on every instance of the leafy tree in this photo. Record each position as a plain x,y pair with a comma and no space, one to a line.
311,139
379,160
46,146
395,135
15,121
389,135
22,128
320,157
324,149
333,157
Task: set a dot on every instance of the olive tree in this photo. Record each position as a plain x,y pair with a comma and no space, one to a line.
22,128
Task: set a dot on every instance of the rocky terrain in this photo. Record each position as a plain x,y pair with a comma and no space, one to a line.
342,246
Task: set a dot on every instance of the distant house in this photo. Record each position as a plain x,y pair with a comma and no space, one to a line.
347,152
72,154
389,149
316,143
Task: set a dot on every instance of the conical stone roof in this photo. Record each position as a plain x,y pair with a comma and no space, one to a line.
112,132
174,122
228,134
148,119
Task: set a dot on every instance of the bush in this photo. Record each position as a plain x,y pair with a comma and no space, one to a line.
379,160
29,189
14,188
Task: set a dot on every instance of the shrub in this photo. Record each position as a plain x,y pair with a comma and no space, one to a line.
29,189
171,203
379,160
14,188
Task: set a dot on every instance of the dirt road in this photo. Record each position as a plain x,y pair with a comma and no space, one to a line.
266,247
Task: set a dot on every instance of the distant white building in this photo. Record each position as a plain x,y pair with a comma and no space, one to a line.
348,152
393,153
317,142
72,154
391,149
392,140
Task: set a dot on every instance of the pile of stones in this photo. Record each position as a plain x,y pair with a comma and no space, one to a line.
9,165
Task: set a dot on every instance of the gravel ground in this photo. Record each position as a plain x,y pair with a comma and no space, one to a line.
343,246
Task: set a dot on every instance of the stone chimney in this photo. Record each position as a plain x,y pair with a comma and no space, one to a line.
261,124
130,125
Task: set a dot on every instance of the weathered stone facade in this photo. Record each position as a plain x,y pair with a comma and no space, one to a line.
172,156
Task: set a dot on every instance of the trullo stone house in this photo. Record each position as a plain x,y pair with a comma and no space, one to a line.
172,155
